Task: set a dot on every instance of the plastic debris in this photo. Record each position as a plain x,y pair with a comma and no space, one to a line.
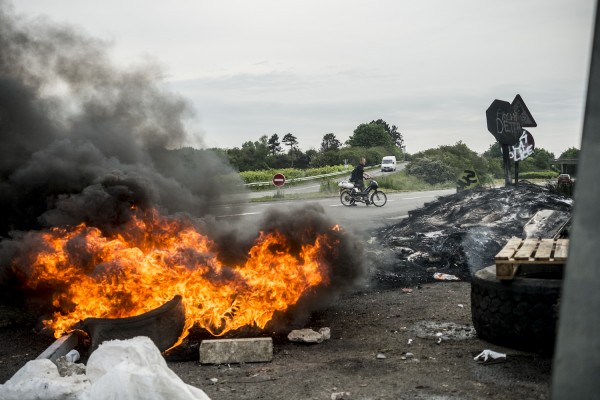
72,356
119,369
340,396
409,341
489,356
407,290
461,305
381,356
445,277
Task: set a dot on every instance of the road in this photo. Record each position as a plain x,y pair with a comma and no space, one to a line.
360,218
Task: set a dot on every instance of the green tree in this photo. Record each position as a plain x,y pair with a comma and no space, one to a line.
431,171
330,143
570,153
370,135
457,157
396,136
494,151
252,155
290,140
542,159
274,145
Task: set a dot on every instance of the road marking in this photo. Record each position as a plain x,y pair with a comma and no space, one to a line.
414,198
236,215
398,217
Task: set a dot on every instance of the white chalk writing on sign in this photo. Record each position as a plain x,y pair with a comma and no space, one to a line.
522,150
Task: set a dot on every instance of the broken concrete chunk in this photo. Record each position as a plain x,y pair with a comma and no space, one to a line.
326,332
309,336
229,351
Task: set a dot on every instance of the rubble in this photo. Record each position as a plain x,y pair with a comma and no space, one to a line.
442,331
309,335
460,233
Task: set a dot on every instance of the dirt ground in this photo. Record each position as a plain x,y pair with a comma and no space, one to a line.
364,324
384,333
369,325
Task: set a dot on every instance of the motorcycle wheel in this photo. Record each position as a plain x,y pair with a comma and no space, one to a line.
346,198
378,199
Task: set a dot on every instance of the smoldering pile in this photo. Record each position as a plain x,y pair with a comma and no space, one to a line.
458,234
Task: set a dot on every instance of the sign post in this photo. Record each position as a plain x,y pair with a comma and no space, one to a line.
278,180
506,121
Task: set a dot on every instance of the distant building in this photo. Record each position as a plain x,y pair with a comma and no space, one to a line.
567,165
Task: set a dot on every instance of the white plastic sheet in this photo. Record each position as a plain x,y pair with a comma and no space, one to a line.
39,379
119,369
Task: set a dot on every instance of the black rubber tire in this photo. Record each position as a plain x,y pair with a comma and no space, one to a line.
378,198
520,314
346,198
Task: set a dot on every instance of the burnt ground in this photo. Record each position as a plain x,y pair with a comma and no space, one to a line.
367,354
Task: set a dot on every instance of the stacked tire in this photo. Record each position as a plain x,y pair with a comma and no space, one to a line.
521,313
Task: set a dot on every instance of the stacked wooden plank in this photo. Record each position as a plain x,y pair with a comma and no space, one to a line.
520,252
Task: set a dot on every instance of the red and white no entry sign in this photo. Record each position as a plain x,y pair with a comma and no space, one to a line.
278,180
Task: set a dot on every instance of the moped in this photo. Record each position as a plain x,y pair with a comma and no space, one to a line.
350,195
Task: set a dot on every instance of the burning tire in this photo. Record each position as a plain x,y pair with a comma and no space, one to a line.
521,313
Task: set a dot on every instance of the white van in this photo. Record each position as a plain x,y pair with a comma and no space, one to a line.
388,163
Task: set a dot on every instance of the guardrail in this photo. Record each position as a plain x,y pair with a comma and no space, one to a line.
306,178
303,179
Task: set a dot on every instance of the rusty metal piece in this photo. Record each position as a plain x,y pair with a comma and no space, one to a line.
163,326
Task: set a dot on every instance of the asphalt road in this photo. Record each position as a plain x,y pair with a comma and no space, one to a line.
360,218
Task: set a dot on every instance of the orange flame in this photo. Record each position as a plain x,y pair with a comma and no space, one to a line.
155,258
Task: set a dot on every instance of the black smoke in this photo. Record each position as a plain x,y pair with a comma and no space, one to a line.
79,134
87,141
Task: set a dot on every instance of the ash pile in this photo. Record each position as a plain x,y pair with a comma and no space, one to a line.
459,234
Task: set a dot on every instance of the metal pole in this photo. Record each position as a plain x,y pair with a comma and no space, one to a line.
506,163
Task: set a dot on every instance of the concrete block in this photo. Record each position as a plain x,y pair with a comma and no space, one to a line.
229,351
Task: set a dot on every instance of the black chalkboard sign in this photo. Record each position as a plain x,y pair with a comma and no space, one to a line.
503,122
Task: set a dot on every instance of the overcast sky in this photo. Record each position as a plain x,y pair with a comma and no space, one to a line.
430,67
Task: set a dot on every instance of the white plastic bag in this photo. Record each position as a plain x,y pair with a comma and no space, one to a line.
488,356
134,369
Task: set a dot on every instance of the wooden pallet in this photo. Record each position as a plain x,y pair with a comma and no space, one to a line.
521,252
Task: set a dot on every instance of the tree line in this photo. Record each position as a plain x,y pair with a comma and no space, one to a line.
372,140
446,163
375,140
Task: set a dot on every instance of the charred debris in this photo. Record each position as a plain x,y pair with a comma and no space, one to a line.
458,234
